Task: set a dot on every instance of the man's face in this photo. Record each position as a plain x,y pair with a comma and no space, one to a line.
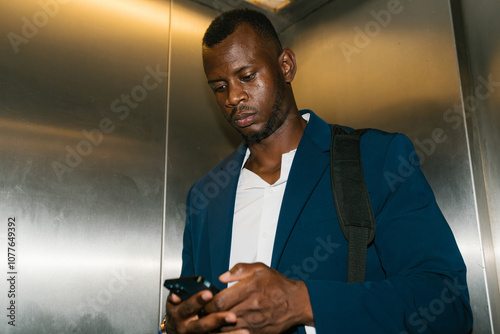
244,74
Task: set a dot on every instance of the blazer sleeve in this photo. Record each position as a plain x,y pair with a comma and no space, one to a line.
425,289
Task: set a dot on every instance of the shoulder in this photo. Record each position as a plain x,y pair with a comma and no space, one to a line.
390,163
378,142
381,149
225,170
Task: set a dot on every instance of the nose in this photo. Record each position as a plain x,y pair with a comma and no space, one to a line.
236,94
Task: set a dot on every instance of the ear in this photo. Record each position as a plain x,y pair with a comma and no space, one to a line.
288,64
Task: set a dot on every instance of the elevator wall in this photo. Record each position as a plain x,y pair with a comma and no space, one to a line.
198,135
83,89
480,71
106,120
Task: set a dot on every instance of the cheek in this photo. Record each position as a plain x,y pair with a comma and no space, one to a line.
260,92
221,101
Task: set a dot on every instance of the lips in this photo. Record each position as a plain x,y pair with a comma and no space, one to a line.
244,119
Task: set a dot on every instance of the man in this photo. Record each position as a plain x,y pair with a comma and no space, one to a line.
266,213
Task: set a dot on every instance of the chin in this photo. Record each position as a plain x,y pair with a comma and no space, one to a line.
256,136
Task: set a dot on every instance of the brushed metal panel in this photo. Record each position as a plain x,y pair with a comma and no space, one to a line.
198,135
479,58
82,141
392,65
287,16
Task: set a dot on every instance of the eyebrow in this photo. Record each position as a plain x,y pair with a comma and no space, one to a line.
238,71
215,80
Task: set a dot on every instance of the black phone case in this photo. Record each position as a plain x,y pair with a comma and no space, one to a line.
185,287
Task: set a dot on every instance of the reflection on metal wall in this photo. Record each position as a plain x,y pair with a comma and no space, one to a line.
392,65
198,136
82,140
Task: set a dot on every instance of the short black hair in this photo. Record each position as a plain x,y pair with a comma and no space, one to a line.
227,22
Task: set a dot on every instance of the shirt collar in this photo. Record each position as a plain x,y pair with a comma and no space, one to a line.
249,179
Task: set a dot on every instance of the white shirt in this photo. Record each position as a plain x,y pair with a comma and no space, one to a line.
256,212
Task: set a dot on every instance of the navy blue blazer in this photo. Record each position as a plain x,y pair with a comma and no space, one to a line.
415,276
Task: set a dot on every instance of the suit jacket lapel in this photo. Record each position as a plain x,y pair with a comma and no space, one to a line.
221,212
303,178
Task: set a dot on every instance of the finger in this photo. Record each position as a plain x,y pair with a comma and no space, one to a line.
212,322
228,330
241,271
194,304
173,299
229,298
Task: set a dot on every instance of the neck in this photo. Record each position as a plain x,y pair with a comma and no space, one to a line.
265,156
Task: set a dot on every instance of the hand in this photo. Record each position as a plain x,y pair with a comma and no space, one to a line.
264,300
182,316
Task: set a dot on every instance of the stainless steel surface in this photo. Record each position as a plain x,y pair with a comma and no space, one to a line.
198,135
82,142
292,13
479,60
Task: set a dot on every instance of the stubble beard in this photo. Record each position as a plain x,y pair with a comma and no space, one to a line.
275,121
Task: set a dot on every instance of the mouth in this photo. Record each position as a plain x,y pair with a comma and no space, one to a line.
243,120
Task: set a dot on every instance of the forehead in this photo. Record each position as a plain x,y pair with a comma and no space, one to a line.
242,48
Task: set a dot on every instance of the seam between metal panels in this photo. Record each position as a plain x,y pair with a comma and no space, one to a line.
169,62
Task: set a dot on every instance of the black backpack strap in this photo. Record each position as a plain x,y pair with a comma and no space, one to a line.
352,203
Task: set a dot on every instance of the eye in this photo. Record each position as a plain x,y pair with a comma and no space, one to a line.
219,89
248,77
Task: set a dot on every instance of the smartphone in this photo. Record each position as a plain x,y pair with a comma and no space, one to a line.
185,287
